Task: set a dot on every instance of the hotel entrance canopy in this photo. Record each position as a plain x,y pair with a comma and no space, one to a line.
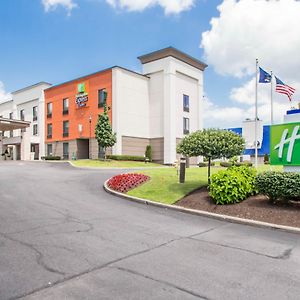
10,124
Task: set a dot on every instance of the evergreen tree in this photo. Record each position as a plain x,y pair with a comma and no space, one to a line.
103,132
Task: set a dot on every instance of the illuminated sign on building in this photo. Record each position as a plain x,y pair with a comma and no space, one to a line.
82,95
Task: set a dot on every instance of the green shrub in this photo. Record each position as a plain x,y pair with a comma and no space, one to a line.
148,152
244,163
51,158
225,164
205,164
266,158
279,186
126,157
233,185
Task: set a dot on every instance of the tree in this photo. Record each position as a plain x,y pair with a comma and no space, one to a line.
103,131
148,152
212,144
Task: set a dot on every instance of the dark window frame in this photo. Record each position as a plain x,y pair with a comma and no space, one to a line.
102,97
186,129
33,129
186,106
34,113
22,114
48,152
65,108
49,135
66,132
49,114
66,154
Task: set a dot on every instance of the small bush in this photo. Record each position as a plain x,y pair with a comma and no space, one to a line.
205,164
126,157
148,152
279,186
225,164
51,158
125,182
266,159
244,163
233,185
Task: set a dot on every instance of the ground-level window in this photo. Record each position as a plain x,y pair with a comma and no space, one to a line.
186,103
186,125
35,129
66,150
49,150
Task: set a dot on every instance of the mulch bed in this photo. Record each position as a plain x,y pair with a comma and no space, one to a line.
256,208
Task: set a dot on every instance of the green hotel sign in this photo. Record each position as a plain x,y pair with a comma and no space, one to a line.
285,144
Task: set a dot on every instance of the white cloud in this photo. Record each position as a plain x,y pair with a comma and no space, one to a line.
4,96
233,116
53,4
250,29
169,6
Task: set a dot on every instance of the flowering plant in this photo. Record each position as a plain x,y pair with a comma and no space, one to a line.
125,182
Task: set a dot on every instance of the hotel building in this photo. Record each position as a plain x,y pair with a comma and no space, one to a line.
26,104
158,108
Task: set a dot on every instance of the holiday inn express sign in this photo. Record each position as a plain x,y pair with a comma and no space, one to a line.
285,144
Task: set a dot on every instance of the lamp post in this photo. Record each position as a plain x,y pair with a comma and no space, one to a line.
90,123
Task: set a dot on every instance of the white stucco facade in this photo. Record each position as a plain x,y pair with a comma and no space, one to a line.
150,105
28,144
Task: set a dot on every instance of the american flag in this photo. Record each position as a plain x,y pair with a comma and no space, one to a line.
284,89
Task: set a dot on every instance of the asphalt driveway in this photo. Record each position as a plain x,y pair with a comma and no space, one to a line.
63,237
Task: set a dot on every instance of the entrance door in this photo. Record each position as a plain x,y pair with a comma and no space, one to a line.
83,149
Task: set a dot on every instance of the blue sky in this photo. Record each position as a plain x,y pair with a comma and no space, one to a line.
58,42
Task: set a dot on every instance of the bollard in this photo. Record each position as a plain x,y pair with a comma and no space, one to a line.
182,170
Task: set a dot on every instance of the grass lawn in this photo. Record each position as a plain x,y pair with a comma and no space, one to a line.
164,187
112,164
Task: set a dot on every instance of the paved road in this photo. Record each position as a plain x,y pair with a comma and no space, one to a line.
63,237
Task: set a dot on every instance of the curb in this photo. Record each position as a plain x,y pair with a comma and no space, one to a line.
203,213
114,168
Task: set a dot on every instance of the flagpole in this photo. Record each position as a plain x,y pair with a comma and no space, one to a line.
272,107
256,115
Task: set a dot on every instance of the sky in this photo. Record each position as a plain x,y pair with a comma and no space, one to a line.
58,40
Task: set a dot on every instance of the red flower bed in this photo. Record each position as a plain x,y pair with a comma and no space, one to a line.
125,182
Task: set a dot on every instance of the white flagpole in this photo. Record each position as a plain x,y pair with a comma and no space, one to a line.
256,116
272,109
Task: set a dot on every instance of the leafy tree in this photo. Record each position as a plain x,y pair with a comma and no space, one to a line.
212,144
148,152
103,131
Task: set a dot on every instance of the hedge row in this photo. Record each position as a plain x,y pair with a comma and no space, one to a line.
279,186
51,157
126,157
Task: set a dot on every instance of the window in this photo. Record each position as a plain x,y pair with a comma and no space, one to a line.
49,149
35,129
11,133
186,103
34,113
49,131
102,96
65,106
65,128
186,125
66,150
49,110
22,114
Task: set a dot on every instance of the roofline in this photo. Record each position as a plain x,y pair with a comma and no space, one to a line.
31,86
173,52
92,74
15,121
6,101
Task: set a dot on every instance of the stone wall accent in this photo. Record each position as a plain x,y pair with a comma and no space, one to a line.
157,145
134,145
